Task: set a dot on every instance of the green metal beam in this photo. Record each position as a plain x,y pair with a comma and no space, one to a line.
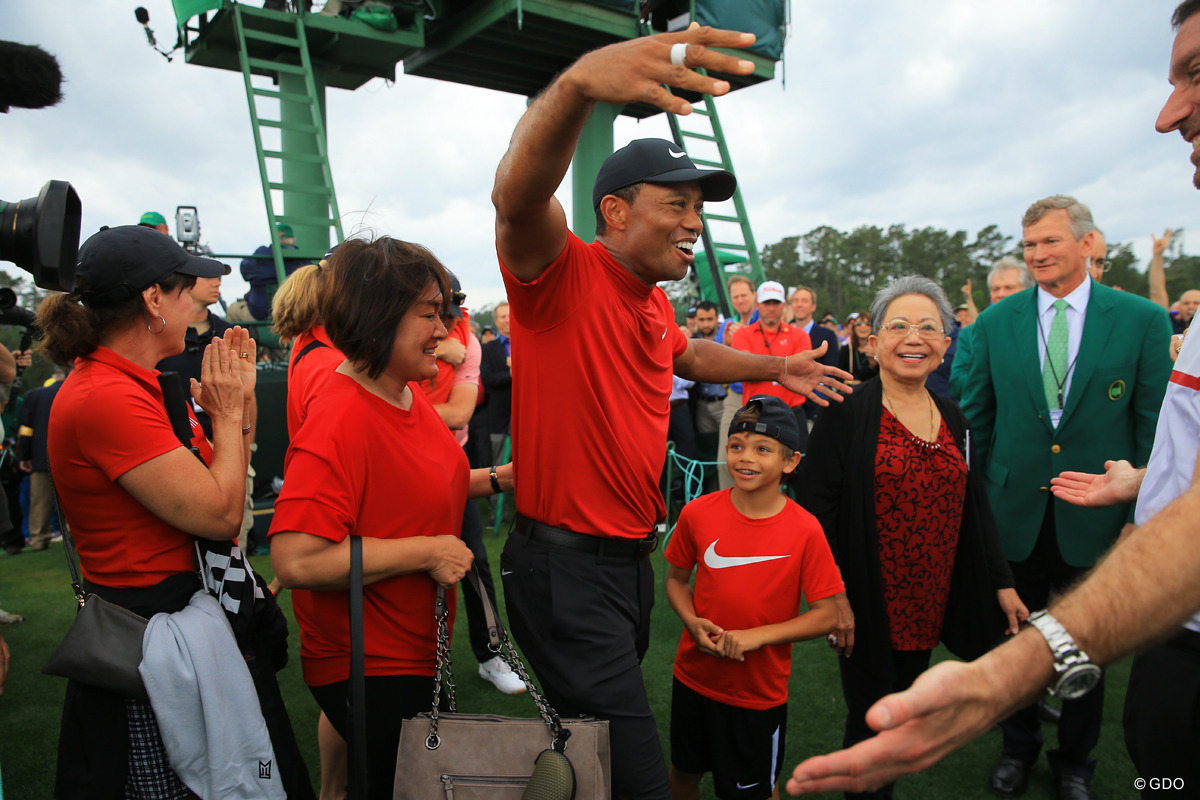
595,145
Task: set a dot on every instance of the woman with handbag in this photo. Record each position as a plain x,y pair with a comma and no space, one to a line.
134,497
374,460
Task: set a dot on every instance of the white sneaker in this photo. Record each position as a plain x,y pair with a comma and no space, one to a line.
12,619
501,676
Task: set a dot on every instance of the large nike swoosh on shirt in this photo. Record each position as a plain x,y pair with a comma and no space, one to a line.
715,561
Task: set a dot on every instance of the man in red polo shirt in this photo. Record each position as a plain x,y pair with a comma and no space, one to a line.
769,335
590,411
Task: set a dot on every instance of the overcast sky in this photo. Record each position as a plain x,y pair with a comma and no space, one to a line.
937,113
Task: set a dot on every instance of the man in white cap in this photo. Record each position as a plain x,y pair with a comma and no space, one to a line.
771,336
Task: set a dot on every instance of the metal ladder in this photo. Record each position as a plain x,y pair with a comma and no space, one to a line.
290,66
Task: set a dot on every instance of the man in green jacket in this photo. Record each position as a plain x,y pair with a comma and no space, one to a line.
1063,376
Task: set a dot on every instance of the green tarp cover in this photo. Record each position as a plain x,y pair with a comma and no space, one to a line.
763,18
186,9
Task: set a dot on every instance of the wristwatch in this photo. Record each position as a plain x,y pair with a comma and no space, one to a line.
1076,672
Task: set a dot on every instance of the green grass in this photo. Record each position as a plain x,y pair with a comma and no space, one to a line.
37,586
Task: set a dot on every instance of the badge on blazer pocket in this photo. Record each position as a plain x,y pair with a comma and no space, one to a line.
1116,390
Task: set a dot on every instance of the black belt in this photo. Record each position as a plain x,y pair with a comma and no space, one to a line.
709,399
634,549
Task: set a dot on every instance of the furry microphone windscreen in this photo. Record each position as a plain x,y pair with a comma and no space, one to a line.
29,77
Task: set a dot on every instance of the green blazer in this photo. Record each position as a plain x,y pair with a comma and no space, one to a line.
1111,409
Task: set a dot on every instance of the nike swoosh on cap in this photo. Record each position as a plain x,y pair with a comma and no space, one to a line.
676,155
714,561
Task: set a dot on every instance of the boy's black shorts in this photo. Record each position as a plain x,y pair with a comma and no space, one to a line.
742,747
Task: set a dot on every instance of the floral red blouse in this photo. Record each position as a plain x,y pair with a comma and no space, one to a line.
920,488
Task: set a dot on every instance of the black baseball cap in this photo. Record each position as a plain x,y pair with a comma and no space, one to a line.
457,298
775,419
118,263
658,161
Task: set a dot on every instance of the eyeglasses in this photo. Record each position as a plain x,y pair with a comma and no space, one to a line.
1103,263
862,321
901,327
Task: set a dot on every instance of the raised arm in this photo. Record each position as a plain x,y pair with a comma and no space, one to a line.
1155,274
972,309
708,362
1131,598
531,226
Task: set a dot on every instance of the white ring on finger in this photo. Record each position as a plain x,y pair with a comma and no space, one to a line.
679,54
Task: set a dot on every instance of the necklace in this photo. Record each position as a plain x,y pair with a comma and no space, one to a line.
930,444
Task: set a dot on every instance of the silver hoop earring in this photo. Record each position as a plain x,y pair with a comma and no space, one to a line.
160,330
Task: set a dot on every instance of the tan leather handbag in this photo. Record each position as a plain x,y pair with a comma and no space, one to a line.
446,755
454,756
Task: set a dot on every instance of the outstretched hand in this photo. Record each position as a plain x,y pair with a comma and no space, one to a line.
806,375
1119,484
944,709
634,71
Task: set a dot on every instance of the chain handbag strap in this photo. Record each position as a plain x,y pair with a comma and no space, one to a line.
558,733
441,614
498,643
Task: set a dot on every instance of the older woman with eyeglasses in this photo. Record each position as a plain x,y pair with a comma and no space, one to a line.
888,475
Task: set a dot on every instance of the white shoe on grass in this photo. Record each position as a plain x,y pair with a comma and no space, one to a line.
501,676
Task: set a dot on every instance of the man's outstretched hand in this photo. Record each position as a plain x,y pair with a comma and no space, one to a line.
944,709
634,71
807,376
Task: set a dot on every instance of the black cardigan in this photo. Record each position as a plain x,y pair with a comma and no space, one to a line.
837,485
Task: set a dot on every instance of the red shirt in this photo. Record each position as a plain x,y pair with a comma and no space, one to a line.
592,354
107,419
919,496
360,465
305,382
712,535
787,340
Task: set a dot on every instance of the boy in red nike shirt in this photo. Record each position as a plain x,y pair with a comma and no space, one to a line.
755,553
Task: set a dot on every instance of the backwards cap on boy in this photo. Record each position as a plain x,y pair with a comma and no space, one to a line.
775,419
